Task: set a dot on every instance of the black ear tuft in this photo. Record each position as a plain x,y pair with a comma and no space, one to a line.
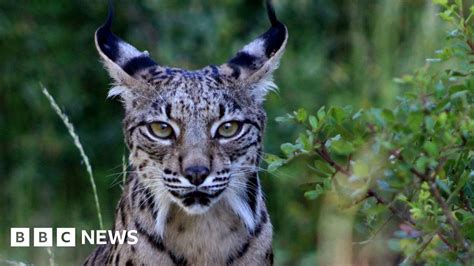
276,35
107,41
271,13
254,64
117,52
274,38
261,52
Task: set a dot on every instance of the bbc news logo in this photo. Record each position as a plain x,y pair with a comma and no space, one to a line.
66,237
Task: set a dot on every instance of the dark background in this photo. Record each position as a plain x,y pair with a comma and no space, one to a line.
342,52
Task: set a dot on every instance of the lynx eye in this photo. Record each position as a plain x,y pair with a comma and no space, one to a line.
229,129
161,130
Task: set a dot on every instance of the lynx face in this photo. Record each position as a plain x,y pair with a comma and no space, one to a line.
195,136
195,140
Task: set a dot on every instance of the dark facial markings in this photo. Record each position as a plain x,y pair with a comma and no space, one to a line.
195,110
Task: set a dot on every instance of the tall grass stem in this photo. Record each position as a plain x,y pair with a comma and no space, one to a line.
78,144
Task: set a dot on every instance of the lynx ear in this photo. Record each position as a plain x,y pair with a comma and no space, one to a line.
123,61
254,64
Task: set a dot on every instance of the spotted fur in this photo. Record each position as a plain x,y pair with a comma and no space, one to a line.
221,219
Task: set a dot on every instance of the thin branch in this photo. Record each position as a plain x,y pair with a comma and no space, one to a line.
348,166
380,200
449,216
444,206
397,154
431,180
422,248
450,246
324,153
465,28
376,232
465,201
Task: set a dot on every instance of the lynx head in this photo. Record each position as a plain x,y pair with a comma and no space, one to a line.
195,137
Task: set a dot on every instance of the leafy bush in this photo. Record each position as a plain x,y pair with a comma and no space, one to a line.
412,163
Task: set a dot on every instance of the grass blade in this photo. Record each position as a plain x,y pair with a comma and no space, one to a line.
78,144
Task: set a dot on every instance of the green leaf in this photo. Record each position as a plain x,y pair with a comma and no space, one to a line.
433,60
414,121
274,162
431,148
323,168
404,80
459,95
314,194
441,2
269,158
442,118
388,115
421,163
440,89
301,115
288,149
306,141
337,113
313,122
327,184
429,124
321,113
444,187
468,230
342,147
446,15
357,115
275,165
284,119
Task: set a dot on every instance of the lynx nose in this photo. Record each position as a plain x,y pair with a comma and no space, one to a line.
196,174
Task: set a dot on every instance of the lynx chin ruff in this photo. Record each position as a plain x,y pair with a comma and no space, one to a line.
195,140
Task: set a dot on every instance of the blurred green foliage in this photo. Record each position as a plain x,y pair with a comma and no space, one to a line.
411,165
339,52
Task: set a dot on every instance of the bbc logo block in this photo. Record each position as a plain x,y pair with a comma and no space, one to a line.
20,237
65,237
42,237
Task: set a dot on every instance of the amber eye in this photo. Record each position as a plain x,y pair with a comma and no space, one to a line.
161,130
228,129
